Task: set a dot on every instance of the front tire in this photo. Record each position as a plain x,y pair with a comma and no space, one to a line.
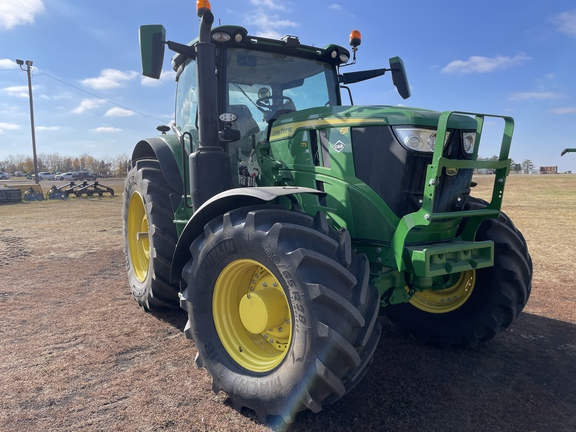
281,311
149,236
481,303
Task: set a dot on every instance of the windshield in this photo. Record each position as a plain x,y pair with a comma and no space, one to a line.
265,85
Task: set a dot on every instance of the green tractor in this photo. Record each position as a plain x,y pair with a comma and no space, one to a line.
285,222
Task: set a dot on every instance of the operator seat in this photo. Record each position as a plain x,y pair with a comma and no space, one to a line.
240,151
247,127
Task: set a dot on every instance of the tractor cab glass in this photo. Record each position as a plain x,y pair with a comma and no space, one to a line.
262,86
266,85
187,104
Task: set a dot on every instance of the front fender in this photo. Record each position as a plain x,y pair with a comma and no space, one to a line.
220,204
168,152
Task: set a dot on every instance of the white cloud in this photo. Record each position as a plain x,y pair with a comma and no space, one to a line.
17,91
166,76
54,97
565,110
335,6
566,22
7,64
118,112
272,4
8,126
18,12
109,78
106,129
47,128
519,96
87,105
479,64
268,24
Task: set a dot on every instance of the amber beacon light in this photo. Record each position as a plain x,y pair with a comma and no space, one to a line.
202,6
355,38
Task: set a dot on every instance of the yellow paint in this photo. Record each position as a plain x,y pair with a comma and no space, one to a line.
288,130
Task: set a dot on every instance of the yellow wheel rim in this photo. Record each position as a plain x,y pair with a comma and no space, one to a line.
138,241
252,315
449,299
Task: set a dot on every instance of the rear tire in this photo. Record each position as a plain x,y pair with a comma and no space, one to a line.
489,299
149,236
321,311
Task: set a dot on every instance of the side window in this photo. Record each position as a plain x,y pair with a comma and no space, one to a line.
313,92
187,102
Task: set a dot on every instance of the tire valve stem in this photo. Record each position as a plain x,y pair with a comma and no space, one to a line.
240,349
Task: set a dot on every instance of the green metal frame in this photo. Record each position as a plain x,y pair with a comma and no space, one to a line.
425,217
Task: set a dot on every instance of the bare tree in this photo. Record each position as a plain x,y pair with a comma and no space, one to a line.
527,166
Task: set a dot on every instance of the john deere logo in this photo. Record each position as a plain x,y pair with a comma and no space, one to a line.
451,171
339,146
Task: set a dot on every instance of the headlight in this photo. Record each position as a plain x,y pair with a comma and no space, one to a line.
221,37
469,141
423,140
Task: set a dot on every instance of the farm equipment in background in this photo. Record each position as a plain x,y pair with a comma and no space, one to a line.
29,192
10,195
78,189
33,194
59,192
568,150
350,210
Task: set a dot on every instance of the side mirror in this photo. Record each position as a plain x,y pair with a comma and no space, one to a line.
399,77
152,44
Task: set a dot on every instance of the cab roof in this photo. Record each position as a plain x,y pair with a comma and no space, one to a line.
238,37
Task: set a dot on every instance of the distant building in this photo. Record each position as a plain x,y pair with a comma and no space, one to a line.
548,170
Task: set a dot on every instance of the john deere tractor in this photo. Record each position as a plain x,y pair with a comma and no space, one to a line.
285,222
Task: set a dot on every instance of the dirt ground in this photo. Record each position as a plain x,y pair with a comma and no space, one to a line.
78,354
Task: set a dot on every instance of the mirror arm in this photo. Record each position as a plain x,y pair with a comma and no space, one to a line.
185,50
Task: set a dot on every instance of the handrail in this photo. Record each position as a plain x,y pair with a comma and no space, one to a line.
425,215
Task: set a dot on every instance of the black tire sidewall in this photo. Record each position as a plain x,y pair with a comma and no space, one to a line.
500,292
281,382
156,291
140,289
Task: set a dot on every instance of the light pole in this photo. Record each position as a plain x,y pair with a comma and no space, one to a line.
28,66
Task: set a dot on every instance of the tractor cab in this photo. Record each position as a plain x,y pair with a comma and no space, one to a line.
258,80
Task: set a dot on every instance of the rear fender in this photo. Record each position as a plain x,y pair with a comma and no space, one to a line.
220,204
168,153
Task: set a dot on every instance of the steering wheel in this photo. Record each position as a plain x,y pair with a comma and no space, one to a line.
267,102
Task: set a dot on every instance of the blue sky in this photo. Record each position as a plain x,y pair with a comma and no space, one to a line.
496,57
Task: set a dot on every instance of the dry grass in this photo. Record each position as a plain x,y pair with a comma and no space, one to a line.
544,209
79,355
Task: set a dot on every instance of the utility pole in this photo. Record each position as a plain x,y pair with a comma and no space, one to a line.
28,66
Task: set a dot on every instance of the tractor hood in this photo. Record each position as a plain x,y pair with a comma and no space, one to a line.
349,116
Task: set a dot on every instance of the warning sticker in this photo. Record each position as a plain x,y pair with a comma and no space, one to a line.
338,146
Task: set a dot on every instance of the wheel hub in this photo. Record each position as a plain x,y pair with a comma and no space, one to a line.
261,310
